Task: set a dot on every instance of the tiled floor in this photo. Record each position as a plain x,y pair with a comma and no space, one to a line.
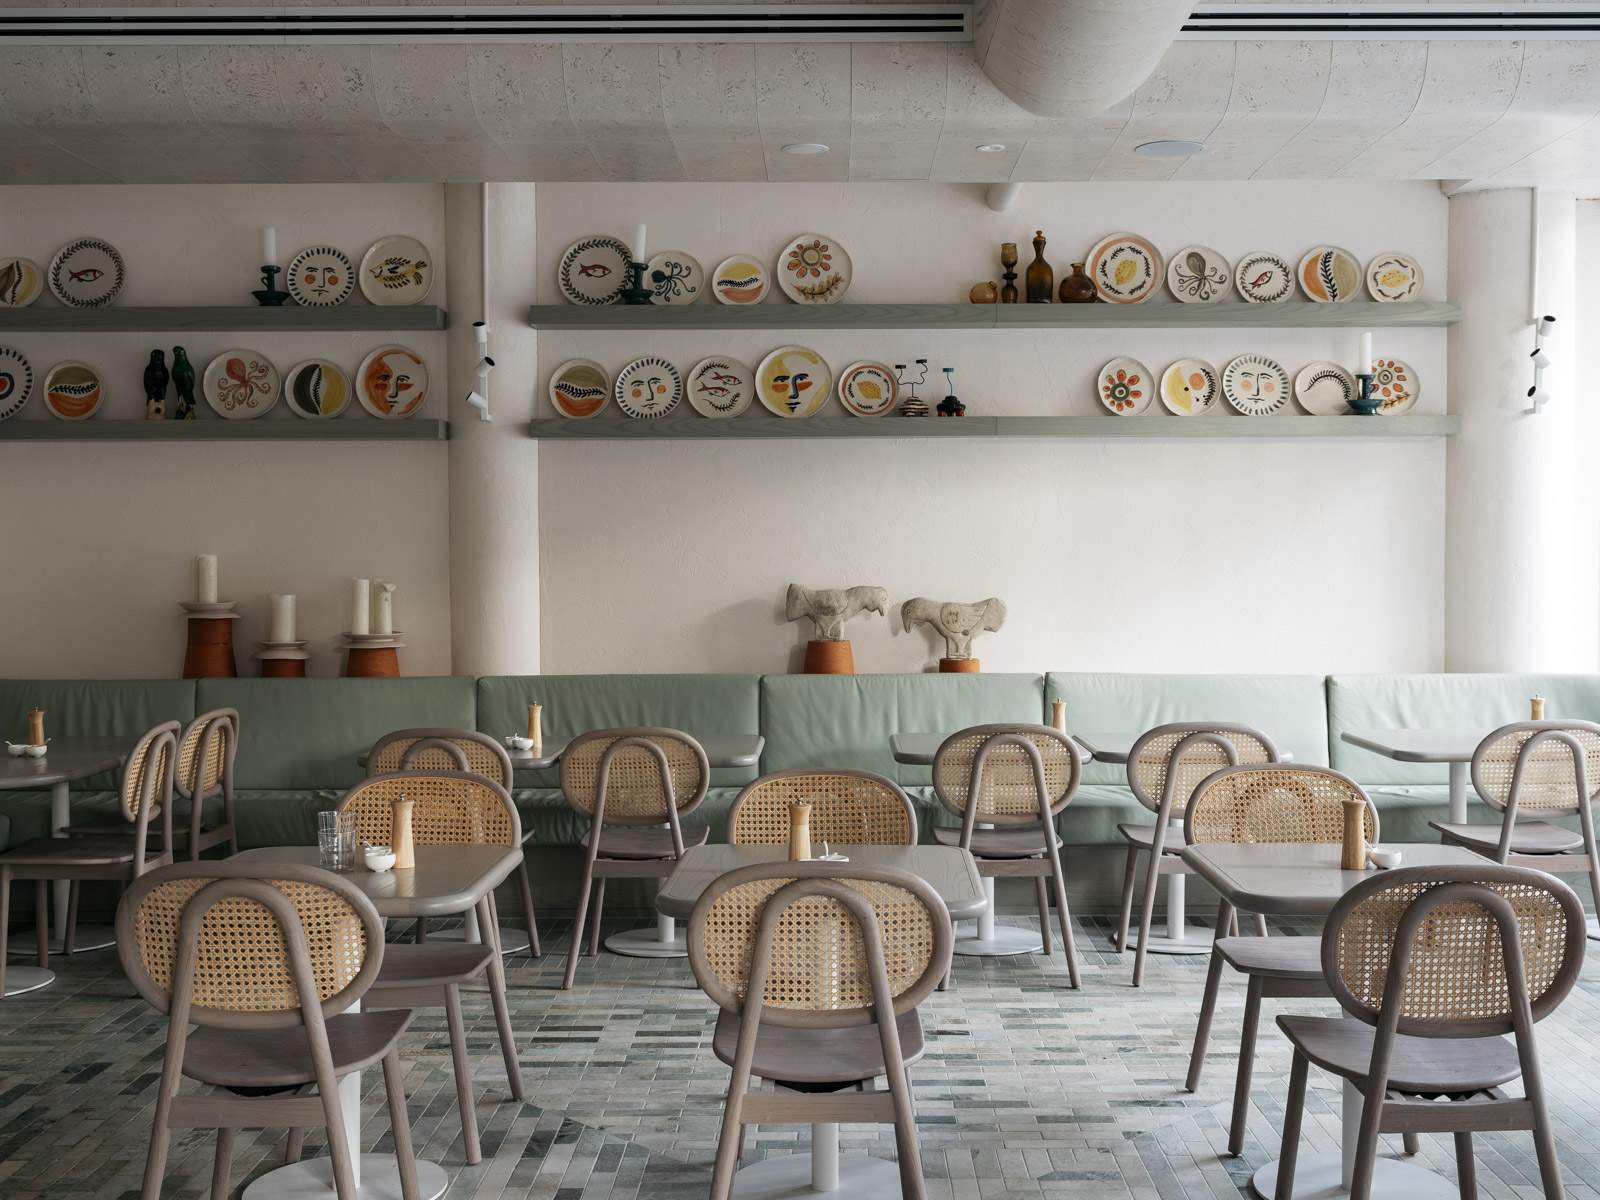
1028,1089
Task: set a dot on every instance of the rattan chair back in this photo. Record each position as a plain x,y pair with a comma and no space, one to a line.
148,773
1275,802
449,808
1543,767
824,945
1167,763
640,775
441,750
847,808
1006,774
206,752
1452,951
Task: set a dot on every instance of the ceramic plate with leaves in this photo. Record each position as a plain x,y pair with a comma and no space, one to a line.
73,391
648,388
21,281
740,279
1330,275
1263,278
316,389
1126,387
1198,275
1126,268
1394,276
580,388
396,270
1325,389
87,273
16,382
674,277
1190,386
814,269
1395,385
793,381
241,385
721,387
868,389
320,277
1255,385
594,270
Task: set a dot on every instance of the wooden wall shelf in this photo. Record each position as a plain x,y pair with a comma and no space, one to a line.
218,430
760,425
287,318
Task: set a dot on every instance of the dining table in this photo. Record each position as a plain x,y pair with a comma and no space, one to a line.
1454,747
455,880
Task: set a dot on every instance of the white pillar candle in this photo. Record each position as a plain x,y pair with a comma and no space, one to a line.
638,244
282,627
1364,364
205,578
360,606
382,608
269,247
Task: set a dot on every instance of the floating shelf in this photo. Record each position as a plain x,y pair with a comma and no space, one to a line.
1292,314
201,430
1164,426
287,318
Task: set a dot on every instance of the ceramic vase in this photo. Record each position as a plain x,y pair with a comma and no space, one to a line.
1039,279
1077,288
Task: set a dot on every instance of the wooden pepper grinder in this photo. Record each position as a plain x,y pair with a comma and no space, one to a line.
405,843
536,726
1354,854
1536,708
36,727
1058,715
799,832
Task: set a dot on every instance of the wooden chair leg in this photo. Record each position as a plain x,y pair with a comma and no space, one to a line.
155,1163
1147,913
421,932
1043,898
1129,874
1247,1062
1411,1143
400,1125
729,1144
599,915
912,1185
41,921
70,943
1294,1109
1544,1142
578,918
5,926
1064,915
529,919
489,920
463,1073
1261,926
1208,1006
222,1165
1466,1166
1367,1142
295,1146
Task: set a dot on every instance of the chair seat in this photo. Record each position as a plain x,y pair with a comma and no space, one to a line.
792,1055
1144,836
282,1057
1420,1066
1274,957
1026,841
432,964
1529,837
645,843
114,824
79,851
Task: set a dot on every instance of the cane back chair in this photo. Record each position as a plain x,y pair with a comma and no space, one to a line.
848,808
1435,966
246,954
817,969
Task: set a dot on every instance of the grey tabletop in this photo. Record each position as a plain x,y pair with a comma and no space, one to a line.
1115,747
1275,877
722,750
69,759
949,869
1419,745
445,881
918,749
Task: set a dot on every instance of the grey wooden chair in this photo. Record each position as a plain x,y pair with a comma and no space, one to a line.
848,808
1016,778
144,793
457,750
635,785
1165,765
248,955
1435,966
817,969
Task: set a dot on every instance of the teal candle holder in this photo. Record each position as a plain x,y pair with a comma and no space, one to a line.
1366,404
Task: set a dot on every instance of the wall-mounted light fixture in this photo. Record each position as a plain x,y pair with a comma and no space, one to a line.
1537,396
479,396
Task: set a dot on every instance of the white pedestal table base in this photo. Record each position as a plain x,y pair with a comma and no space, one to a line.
1319,1177
822,1172
1180,938
512,941
312,1179
998,941
90,937
664,941
27,979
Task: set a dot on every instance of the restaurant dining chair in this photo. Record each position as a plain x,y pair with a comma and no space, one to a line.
145,792
635,785
456,750
1435,967
1165,765
1536,771
265,961
817,969
847,808
1280,802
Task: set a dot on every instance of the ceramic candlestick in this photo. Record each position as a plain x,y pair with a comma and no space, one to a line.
268,295
636,292
209,653
1366,404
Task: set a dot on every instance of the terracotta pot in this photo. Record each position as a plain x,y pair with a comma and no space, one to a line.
959,666
829,658
209,654
1077,288
379,662
283,668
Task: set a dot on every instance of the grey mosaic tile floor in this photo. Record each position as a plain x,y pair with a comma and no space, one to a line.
1028,1089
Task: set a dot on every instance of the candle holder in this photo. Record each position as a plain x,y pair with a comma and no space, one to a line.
636,292
372,655
282,660
209,653
1008,260
1366,404
269,296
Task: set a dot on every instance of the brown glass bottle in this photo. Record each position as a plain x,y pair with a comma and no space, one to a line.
1040,280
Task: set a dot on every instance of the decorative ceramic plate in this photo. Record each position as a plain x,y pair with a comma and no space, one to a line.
1125,268
721,387
87,273
1394,276
316,389
1190,386
21,281
73,391
1126,387
320,276
1263,278
580,388
793,381
594,270
241,384
1198,275
16,382
392,382
674,277
1330,275
814,269
1396,385
868,389
1325,389
1255,385
396,270
740,280
648,388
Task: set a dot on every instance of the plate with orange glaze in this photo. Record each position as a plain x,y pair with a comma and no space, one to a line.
1190,386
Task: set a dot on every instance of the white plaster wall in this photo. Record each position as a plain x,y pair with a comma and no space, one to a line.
1585,340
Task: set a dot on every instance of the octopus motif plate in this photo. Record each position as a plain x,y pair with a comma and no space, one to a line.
579,388
1198,275
1125,268
594,270
721,387
1330,275
320,277
86,273
1396,385
1255,385
73,391
241,384
1263,278
793,381
21,281
1190,386
648,388
740,280
674,277
396,270
868,389
1394,276
392,382
1325,389
316,389
1126,387
814,269
16,382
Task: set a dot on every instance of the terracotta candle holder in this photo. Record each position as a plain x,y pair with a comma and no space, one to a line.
959,666
829,658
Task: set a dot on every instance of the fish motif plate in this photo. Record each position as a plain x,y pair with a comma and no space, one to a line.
721,387
1126,268
868,389
396,270
594,270
814,269
1263,278
579,389
16,382
1394,276
86,273
1126,387
1255,385
1198,275
1396,385
1330,275
392,382
21,281
241,385
316,389
648,388
320,277
73,391
793,381
1325,389
740,279
1190,386
674,277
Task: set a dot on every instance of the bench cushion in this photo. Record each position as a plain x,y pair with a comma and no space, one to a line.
94,707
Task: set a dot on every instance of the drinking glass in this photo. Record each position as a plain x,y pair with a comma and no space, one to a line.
336,840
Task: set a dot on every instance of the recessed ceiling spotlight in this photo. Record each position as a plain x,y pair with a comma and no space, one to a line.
991,148
805,148
1169,148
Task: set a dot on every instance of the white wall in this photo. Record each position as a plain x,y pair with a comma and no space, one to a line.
1585,340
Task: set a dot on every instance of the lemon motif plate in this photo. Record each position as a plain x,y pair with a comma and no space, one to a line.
868,389
1126,268
1394,276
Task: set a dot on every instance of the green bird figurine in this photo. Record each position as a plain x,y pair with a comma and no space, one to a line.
183,381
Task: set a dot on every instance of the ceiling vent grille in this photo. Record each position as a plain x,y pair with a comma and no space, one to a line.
1392,22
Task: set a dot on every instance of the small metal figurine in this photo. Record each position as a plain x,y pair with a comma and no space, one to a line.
183,381
950,406
911,406
155,387
269,296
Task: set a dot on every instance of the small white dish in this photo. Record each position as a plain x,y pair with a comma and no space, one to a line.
379,858
1384,860
519,743
829,855
16,749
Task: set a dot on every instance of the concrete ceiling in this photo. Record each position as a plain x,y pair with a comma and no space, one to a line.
1480,110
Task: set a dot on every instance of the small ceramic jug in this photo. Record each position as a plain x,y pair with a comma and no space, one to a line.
400,836
799,832
1354,854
